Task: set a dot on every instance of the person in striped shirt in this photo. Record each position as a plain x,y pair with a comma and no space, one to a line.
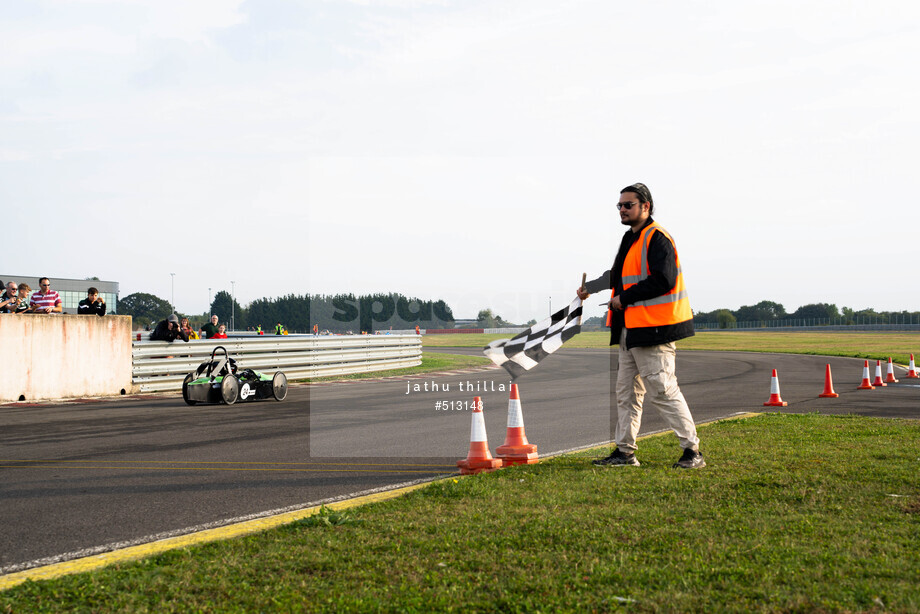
45,300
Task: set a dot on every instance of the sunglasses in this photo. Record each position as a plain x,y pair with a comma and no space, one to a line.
626,206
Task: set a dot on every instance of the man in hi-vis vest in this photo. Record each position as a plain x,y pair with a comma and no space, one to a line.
648,311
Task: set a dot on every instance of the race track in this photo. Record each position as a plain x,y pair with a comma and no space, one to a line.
79,478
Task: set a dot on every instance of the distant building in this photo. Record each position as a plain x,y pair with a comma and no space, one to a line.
72,291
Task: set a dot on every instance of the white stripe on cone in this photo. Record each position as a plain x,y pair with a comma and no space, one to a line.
478,428
515,415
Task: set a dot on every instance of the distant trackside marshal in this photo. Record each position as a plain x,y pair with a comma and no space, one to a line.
648,311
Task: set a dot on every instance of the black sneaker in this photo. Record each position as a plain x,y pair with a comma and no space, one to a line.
617,459
691,459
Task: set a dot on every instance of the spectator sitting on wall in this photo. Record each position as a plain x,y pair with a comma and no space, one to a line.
92,304
221,332
45,300
9,300
168,330
210,328
278,328
184,325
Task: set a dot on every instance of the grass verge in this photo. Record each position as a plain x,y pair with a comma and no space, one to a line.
828,522
872,345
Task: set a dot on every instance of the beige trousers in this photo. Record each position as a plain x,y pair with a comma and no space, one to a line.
649,371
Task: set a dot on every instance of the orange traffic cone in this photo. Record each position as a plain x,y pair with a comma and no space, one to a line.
775,400
878,375
912,371
828,384
479,459
516,450
889,377
865,385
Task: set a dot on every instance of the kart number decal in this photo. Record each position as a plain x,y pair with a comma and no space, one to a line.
246,392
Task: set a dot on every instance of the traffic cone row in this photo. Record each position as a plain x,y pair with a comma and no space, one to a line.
515,451
776,401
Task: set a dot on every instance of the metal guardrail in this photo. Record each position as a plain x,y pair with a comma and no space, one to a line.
160,365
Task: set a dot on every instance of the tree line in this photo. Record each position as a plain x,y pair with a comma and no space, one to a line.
769,313
340,313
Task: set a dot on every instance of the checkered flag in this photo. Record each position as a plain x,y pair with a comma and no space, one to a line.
523,352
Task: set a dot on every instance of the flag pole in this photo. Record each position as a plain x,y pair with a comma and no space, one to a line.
584,276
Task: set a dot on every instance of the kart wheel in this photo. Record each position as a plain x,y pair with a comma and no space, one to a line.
230,389
185,383
279,386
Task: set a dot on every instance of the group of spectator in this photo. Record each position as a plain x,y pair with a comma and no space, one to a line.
172,328
16,299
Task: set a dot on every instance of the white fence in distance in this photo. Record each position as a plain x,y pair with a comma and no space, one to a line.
160,365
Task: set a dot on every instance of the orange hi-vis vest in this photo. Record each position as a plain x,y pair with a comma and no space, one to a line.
670,308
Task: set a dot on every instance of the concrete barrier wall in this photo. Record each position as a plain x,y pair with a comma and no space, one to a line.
64,356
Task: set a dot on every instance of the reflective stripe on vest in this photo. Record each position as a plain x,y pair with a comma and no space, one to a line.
670,308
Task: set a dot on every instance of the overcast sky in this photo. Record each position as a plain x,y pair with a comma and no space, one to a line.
464,150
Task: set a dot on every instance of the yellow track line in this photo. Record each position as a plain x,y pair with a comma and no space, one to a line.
317,464
98,561
136,467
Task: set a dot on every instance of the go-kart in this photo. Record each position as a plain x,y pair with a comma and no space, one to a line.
220,380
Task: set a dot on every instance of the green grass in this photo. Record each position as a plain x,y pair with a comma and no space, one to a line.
872,345
795,513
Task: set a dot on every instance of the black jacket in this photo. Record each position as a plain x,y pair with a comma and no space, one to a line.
10,308
162,333
662,269
85,308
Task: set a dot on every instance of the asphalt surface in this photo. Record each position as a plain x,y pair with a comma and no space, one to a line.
83,477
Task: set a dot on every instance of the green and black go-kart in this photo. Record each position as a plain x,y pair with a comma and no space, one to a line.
220,380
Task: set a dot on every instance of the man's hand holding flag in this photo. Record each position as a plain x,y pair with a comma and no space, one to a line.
522,353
